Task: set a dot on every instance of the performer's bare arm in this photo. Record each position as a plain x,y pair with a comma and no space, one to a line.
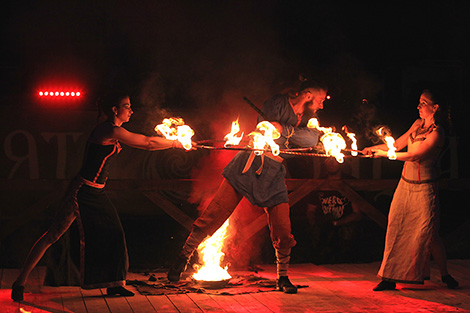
400,143
143,142
434,139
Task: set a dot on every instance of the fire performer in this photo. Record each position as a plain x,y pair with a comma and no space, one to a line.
260,179
103,257
413,220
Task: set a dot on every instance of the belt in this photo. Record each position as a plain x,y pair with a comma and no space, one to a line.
249,162
417,182
92,184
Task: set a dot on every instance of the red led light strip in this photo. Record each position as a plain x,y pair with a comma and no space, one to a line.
59,93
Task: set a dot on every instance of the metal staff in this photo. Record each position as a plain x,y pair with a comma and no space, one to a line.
253,106
282,151
203,144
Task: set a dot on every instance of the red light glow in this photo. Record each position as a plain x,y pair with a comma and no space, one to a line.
58,93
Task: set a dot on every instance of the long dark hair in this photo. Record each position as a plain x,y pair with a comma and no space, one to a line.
106,102
442,117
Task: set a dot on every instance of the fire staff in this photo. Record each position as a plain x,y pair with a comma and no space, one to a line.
260,179
413,220
103,255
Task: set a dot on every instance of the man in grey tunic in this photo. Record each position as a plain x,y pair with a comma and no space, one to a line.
260,179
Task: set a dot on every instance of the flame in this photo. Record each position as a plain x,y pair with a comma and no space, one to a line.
264,137
390,141
173,128
351,136
313,123
210,252
332,142
231,138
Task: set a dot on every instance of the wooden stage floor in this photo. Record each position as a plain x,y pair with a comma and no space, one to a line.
328,288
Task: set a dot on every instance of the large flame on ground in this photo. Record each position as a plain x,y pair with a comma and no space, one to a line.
231,138
332,142
390,141
263,138
210,253
173,128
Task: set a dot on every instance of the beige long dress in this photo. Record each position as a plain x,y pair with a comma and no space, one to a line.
413,218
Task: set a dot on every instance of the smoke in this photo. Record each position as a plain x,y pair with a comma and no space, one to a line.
200,62
366,119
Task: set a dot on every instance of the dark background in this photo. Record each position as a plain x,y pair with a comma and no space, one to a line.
204,56
197,59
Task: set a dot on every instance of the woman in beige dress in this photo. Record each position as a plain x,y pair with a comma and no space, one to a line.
413,221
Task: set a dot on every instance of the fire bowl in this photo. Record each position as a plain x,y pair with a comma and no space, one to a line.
212,284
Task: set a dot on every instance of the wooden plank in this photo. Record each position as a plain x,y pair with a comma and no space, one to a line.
161,303
330,288
33,184
94,301
205,302
151,184
355,291
139,303
318,295
72,299
371,184
433,295
43,298
229,303
251,303
362,204
357,295
8,276
321,299
254,227
111,184
303,190
118,304
170,209
184,303
278,301
6,304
